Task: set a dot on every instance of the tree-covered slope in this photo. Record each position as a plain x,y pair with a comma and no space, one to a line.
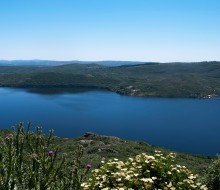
153,79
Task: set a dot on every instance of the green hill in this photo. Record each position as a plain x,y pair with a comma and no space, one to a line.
197,80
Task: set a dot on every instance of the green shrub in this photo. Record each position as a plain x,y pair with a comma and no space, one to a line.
143,172
29,160
212,177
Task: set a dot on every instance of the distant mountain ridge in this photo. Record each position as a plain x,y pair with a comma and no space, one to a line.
37,62
108,63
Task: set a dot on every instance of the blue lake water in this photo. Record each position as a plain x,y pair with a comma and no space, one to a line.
186,125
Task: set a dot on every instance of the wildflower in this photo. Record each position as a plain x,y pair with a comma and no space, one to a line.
128,177
191,177
88,166
7,137
34,155
151,157
138,171
118,179
51,153
147,180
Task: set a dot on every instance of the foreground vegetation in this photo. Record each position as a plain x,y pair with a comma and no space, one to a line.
143,172
196,80
37,161
30,161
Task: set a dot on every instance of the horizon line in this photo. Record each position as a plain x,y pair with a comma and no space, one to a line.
10,60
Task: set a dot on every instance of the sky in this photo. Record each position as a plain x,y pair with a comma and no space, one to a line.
92,30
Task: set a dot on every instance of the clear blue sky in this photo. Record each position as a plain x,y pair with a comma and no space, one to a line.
144,30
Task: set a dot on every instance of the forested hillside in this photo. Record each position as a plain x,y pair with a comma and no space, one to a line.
197,80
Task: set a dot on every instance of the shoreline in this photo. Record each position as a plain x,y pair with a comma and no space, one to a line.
93,87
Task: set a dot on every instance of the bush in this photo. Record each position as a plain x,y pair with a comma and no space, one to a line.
29,160
143,172
212,177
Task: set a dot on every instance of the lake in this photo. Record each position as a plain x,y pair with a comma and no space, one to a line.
185,125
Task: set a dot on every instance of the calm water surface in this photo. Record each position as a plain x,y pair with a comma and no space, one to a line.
187,125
